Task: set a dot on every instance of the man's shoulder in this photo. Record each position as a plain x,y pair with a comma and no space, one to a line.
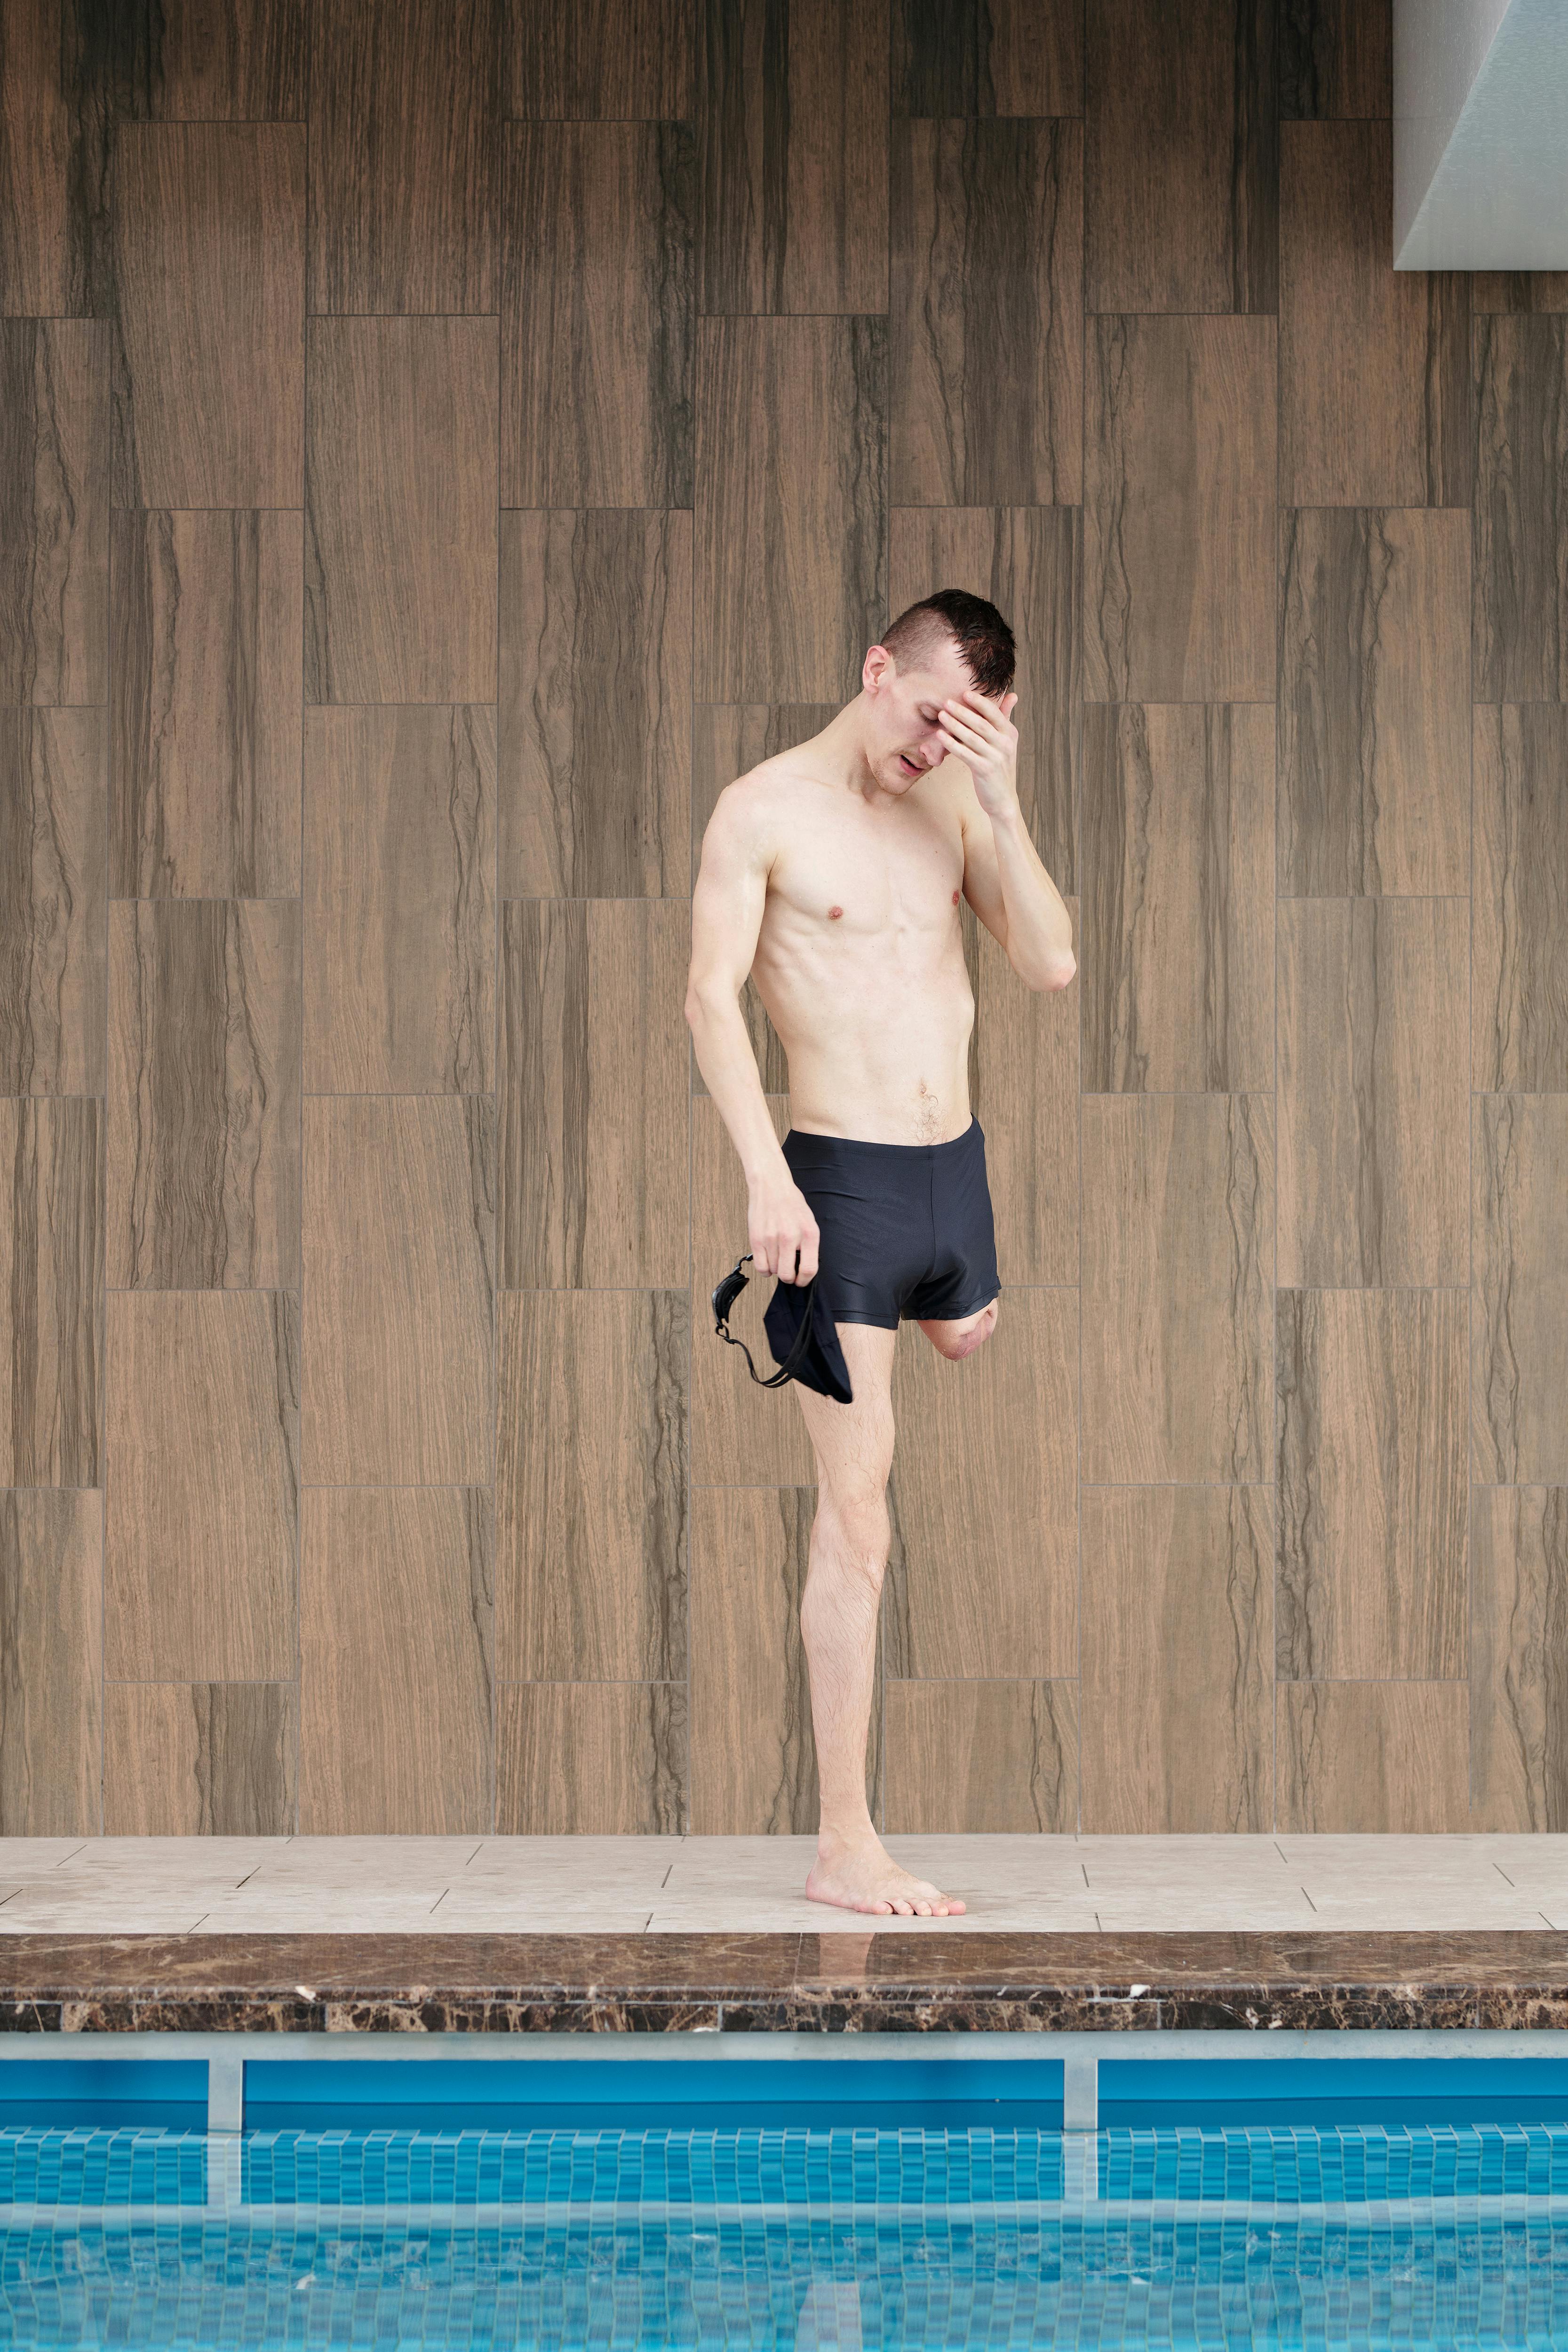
779,772
763,796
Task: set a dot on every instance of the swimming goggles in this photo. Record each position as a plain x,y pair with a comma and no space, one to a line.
725,1294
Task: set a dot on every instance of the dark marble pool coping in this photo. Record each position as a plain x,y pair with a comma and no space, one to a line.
933,1982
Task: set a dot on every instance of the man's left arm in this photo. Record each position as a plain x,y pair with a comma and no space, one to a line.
1004,880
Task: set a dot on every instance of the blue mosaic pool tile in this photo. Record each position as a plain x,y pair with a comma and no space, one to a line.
1315,2165
741,2167
84,2167
804,2282
1301,2237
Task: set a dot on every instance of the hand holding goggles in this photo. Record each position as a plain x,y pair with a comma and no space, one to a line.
725,1294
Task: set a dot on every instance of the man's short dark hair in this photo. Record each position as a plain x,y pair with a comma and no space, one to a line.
983,637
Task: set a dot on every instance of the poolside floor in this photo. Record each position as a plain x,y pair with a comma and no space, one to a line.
720,1886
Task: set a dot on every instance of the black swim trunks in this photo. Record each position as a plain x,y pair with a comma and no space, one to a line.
907,1235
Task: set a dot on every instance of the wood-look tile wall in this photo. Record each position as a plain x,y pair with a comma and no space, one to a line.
431,465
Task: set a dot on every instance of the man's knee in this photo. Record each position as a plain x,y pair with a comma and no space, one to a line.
859,1505
849,1557
956,1341
856,1492
863,1465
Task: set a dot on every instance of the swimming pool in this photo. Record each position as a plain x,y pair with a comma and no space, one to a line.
1227,2215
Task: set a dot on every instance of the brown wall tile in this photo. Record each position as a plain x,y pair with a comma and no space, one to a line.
789,588
55,129
1519,1658
51,1661
596,293
595,786
591,1759
1541,292
54,768
593,1095
1181,155
998,1756
1178,1245
51,1276
1371,1092
983,1575
1374,383
591,1485
1177,964
766,268
603,60
794,195
209,245
208,611
985,316
1519,947
405,125
202,1547
399,908
1521,607
199,1759
399,1229
395,1662
184,61
1518,1356
987,56
204,1094
400,511
1178,510
1373,1756
1336,59
54,508
1375,712
1178,1659
1372,1476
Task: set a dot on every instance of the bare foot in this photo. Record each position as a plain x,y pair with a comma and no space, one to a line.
865,1878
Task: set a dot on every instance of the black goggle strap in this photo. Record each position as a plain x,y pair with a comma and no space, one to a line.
724,1297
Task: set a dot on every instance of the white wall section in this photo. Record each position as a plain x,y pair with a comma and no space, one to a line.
1480,134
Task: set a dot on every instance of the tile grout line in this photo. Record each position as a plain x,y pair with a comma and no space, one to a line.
498,1187
100,1304
1274,1090
1081,632
292,1814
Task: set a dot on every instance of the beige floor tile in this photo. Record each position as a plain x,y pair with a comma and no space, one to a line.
22,1856
166,1861
366,1863
715,1886
1418,1855
491,1914
103,1915
1187,1914
588,1862
1428,1910
354,1912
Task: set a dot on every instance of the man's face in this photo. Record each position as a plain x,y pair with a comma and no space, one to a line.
904,712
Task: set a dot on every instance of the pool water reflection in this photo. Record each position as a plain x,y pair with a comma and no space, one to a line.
857,2238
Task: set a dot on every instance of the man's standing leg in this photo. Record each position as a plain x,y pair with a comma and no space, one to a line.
849,1541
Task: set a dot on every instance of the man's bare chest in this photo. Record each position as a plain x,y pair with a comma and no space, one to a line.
857,881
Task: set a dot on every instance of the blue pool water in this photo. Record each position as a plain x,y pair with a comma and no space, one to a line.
756,2234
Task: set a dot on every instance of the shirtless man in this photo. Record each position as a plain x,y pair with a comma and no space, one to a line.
831,876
